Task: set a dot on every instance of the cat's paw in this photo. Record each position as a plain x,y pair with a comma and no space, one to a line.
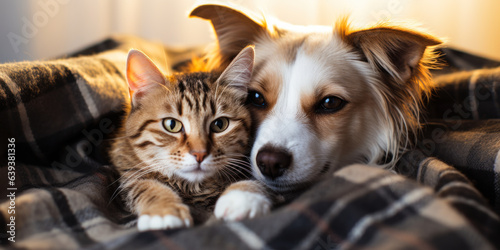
153,222
172,217
238,205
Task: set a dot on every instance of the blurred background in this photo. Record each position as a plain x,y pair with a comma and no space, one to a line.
43,29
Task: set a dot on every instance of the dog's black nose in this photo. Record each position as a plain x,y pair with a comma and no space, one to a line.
273,161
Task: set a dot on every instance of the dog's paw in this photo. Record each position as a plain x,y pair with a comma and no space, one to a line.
172,217
238,205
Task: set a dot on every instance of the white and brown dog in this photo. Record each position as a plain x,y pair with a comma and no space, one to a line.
324,97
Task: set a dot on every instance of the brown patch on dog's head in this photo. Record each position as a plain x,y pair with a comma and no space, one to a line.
402,57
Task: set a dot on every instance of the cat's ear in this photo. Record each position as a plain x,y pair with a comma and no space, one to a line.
239,72
142,74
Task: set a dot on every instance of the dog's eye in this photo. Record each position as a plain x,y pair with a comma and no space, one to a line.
330,104
256,99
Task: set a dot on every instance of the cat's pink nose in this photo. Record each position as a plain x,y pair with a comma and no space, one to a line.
200,155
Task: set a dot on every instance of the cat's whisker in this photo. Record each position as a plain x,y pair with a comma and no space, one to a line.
238,155
223,174
236,169
242,164
239,168
135,167
129,176
245,173
150,169
229,175
129,179
228,169
124,177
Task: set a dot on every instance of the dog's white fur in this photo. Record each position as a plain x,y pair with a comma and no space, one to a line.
381,73
236,205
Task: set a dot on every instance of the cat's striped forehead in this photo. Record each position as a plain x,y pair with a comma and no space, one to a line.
195,93
202,94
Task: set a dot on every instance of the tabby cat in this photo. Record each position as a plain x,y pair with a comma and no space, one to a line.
183,144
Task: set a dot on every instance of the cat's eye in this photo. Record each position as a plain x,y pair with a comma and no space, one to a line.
219,125
330,104
172,125
257,99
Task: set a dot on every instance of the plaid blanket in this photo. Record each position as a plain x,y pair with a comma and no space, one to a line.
57,184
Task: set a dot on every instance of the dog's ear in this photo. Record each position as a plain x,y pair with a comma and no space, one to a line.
394,50
235,30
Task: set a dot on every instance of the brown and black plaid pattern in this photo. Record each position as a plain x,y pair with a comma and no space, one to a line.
62,113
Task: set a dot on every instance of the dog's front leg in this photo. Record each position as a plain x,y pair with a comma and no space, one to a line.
243,200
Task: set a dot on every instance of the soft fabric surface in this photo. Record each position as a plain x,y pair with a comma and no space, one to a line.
445,194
